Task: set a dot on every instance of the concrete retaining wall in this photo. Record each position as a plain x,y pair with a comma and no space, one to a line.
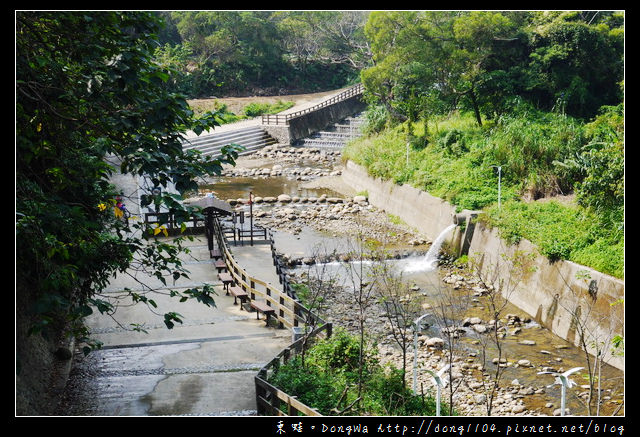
314,121
553,294
428,214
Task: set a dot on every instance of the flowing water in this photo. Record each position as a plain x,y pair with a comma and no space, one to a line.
547,350
430,260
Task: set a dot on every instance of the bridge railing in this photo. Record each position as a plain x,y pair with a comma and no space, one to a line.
283,119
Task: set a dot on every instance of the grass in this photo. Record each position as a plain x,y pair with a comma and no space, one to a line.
454,162
250,110
560,231
328,381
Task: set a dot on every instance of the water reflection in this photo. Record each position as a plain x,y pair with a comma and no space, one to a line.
240,187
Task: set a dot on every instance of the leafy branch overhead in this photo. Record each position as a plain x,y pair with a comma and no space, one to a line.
91,102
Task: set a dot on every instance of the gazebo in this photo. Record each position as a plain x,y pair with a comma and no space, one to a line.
212,208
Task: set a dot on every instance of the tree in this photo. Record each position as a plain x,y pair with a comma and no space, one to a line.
499,278
576,61
359,275
447,54
87,95
241,48
448,307
335,37
482,60
315,292
598,333
400,307
477,35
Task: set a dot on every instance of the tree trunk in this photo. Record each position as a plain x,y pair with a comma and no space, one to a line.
476,109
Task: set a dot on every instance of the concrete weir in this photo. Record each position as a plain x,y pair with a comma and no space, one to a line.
555,294
287,128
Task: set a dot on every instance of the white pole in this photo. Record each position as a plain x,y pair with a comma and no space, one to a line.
563,400
564,381
499,187
416,327
415,361
499,167
407,154
439,382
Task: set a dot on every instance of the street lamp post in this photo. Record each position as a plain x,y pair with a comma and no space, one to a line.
499,167
440,382
251,216
565,382
417,327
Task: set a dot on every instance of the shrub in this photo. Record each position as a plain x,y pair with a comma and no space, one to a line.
332,366
257,109
310,385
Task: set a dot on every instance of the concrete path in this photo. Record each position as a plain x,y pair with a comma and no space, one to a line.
204,366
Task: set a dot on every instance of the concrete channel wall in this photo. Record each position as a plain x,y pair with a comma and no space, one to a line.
556,294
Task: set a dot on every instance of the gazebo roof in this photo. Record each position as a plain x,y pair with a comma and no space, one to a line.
211,202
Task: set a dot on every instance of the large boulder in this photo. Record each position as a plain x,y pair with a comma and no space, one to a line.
284,198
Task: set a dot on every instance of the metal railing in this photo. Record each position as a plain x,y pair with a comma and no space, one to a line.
195,223
283,119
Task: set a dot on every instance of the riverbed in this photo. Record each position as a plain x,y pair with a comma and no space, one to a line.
319,214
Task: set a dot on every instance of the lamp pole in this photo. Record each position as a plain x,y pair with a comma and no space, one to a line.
499,167
251,215
439,381
563,380
417,327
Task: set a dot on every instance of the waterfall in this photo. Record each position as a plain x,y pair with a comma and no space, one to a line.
430,260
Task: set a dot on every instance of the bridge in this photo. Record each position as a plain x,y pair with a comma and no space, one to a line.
284,128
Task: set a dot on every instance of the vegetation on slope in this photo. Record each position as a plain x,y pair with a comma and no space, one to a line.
541,155
455,96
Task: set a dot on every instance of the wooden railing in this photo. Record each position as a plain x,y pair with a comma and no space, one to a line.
283,119
289,314
271,401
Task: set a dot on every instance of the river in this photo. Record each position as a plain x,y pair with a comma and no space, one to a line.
299,238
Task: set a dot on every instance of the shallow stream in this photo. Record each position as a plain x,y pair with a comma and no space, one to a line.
544,349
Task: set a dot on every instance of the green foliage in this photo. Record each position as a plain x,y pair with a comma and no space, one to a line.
602,189
245,52
87,89
256,109
332,366
542,155
313,388
429,62
561,232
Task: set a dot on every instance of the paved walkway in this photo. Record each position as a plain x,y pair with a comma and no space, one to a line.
204,366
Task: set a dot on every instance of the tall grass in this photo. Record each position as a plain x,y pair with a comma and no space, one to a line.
456,160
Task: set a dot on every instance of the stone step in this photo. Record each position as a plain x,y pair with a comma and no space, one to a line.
251,138
336,135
